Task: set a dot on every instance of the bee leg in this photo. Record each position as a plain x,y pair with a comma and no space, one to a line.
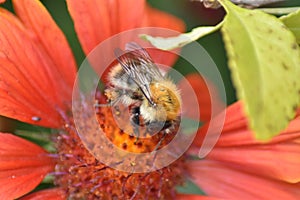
155,127
110,102
167,129
135,121
113,97
159,143
167,124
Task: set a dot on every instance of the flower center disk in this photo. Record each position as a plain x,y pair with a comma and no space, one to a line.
82,176
146,140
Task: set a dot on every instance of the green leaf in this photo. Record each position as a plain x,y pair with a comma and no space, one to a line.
182,39
264,59
292,21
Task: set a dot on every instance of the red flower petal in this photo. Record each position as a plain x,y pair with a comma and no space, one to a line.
204,97
237,146
157,18
36,18
280,161
97,20
50,194
33,88
166,58
219,180
23,166
194,197
236,131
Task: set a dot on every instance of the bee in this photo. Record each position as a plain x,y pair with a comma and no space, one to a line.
136,82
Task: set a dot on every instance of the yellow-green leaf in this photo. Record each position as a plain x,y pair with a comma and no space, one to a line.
180,40
292,21
264,59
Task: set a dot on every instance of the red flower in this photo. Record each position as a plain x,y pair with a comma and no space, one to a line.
36,78
241,167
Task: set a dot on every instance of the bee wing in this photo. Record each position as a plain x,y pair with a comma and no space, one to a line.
143,62
138,64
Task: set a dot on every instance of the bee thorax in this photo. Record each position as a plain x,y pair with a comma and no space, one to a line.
166,101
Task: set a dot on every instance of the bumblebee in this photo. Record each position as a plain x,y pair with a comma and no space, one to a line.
137,83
